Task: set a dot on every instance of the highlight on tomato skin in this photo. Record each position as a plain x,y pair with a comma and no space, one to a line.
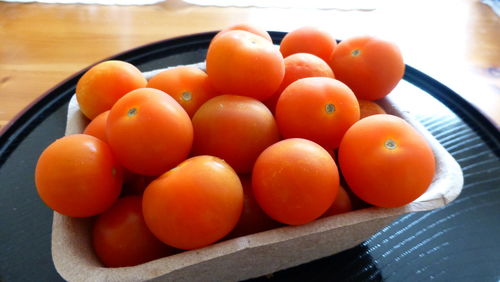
121,238
78,176
295,181
149,132
194,204
370,66
242,63
385,161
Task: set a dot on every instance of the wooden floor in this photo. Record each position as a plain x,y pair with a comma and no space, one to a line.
454,41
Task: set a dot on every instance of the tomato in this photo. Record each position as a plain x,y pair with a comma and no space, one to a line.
342,204
295,181
242,63
385,161
317,108
103,84
369,108
299,66
149,131
371,67
97,126
246,27
234,128
253,219
195,204
188,85
310,40
121,238
78,176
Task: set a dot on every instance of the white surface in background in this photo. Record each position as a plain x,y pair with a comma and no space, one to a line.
99,2
309,4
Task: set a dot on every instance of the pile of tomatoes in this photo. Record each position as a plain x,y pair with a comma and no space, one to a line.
266,136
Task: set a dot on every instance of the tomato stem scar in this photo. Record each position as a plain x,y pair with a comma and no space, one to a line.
186,96
132,112
329,108
113,171
356,52
390,144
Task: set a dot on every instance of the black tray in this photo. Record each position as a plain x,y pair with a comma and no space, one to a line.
454,243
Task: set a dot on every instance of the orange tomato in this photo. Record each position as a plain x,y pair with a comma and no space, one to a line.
297,66
342,203
121,238
385,161
234,128
371,67
103,84
242,63
77,175
295,181
195,204
149,131
253,219
320,109
369,108
188,85
310,40
97,126
247,27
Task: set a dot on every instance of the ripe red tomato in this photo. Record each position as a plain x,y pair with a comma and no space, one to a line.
242,63
121,238
385,161
194,204
149,131
188,85
320,109
77,175
103,84
371,67
310,40
234,128
295,181
253,219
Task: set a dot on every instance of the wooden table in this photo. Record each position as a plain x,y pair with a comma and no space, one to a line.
456,42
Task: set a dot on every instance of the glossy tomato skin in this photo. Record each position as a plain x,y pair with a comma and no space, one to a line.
385,161
297,66
242,63
195,204
371,67
149,132
320,109
253,219
97,126
121,238
295,181
246,27
342,203
188,85
308,39
78,176
234,128
103,84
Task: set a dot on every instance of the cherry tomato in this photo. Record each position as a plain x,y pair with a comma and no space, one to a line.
320,109
242,63
234,128
77,175
295,181
121,238
149,131
385,161
371,67
103,84
194,204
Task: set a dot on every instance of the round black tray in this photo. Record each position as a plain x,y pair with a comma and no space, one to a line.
457,242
